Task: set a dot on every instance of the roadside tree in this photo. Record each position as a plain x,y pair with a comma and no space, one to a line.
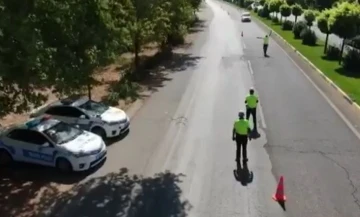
309,16
55,45
296,11
285,10
322,23
24,57
290,2
89,36
344,21
274,6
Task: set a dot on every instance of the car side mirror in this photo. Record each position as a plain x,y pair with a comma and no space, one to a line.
77,126
82,116
46,144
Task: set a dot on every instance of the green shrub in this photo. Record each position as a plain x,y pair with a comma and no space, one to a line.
354,42
265,11
249,7
260,12
287,25
332,53
351,61
123,90
308,37
248,3
275,19
298,27
255,9
177,37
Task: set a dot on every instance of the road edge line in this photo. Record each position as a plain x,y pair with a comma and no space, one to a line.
327,79
336,109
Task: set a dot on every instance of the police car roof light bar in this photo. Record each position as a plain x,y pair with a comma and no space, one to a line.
35,121
46,117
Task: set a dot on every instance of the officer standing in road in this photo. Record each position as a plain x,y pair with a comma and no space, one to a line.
266,43
251,102
240,133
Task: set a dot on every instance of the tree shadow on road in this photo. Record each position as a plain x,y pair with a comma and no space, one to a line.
198,26
118,194
154,71
20,184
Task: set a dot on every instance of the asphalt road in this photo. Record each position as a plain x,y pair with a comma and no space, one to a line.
185,128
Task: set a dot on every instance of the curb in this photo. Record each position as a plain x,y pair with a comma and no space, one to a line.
134,108
328,80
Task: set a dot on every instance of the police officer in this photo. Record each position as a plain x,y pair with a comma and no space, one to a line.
265,45
251,102
241,132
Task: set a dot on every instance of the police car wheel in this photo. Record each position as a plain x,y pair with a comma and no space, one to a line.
5,158
64,165
100,132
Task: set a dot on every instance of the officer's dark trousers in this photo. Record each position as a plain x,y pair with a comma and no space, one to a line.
265,47
252,112
241,143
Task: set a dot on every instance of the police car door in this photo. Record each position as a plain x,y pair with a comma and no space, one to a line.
13,143
37,149
60,113
80,118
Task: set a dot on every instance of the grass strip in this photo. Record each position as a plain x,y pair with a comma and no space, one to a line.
332,69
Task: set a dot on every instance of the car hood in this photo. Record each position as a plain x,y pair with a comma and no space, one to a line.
113,115
86,142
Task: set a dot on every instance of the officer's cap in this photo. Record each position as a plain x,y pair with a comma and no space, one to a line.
241,114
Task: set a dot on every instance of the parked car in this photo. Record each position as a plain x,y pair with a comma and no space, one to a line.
90,115
245,17
51,142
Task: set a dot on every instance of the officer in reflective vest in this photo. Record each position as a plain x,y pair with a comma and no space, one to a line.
265,45
241,132
251,102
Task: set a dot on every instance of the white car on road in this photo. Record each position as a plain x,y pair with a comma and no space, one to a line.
245,17
50,142
95,117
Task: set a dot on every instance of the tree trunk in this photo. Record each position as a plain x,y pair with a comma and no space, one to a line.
342,50
136,51
326,42
89,89
295,19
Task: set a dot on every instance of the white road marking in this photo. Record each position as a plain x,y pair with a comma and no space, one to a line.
250,67
243,43
262,116
337,110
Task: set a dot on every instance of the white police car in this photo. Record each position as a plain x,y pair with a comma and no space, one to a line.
90,115
51,142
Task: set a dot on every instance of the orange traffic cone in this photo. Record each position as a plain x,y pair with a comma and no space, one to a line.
280,194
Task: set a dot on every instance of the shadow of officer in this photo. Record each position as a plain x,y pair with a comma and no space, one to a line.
243,175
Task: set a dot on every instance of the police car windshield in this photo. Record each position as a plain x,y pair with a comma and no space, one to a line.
62,133
94,107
